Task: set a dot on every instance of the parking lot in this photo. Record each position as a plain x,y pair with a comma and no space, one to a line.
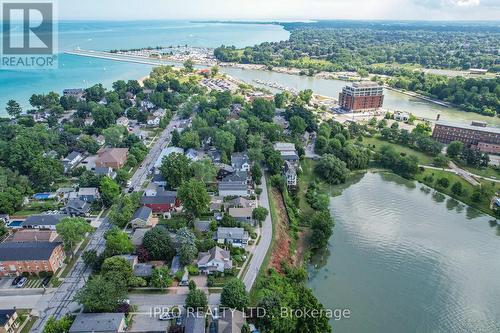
33,282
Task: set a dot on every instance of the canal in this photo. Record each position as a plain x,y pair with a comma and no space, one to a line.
404,258
393,100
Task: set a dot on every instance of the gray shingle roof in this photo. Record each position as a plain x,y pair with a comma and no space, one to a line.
27,250
43,219
223,186
233,233
142,213
97,322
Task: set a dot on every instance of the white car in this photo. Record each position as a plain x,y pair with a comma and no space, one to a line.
167,316
21,282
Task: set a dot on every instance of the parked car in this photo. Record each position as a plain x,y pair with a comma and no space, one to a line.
46,281
130,190
167,316
21,282
16,280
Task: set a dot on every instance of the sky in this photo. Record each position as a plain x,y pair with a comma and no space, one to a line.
280,9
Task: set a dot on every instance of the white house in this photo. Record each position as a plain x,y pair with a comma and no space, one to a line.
240,162
153,121
215,260
122,121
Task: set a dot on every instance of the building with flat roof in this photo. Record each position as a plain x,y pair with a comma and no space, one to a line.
98,323
8,321
362,96
476,135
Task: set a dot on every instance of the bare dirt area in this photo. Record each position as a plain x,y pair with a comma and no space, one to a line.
301,246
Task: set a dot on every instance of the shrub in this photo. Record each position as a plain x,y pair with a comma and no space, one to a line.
193,270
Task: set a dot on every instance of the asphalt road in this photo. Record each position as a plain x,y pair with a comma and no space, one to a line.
143,171
265,241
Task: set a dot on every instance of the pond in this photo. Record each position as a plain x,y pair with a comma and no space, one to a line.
404,258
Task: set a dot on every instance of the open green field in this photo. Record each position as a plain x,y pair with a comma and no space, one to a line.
378,142
488,187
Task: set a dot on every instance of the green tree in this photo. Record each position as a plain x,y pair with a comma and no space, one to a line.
263,109
176,138
117,268
443,182
118,242
322,229
297,125
204,170
13,108
274,162
256,173
259,214
113,135
194,197
189,139
72,230
332,169
234,295
188,65
187,245
224,141
457,188
158,244
196,300
58,326
110,191
441,161
454,149
306,95
160,278
176,169
101,295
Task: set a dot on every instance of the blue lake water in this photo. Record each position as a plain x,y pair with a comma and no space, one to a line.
75,72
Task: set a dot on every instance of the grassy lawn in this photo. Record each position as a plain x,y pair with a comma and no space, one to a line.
483,205
27,327
488,172
378,142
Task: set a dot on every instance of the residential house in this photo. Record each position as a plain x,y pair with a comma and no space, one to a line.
8,321
287,151
401,116
32,235
242,214
138,236
215,155
98,323
130,258
195,323
31,257
240,162
153,121
202,226
143,270
290,174
100,139
143,218
162,202
105,172
122,121
227,189
159,113
215,260
71,160
240,202
166,152
238,176
77,207
151,190
112,157
223,170
147,105
43,221
231,321
159,180
88,194
76,93
216,203
192,154
234,236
